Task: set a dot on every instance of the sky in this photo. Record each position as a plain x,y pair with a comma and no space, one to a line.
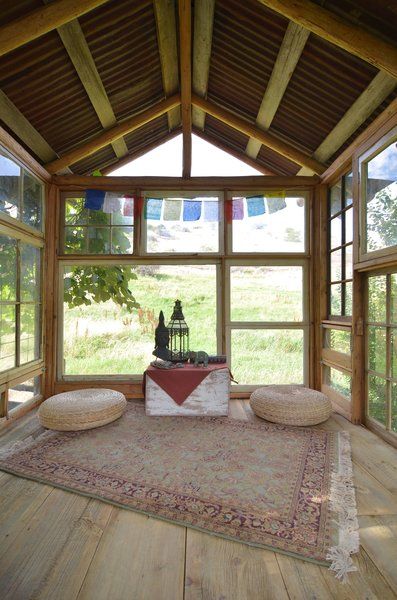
166,160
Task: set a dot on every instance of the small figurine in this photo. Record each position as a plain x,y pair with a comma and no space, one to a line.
162,339
201,359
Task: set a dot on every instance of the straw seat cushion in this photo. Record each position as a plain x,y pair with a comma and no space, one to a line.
81,409
290,405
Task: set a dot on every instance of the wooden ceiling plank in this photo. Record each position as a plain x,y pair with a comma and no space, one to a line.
73,39
202,44
329,26
266,138
114,133
291,48
226,148
164,11
378,90
41,21
185,45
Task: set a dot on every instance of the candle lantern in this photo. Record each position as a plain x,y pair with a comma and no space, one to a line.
179,335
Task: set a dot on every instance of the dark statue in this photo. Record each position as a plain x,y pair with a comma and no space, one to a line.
162,339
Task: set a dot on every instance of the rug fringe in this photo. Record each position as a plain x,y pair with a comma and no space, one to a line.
343,504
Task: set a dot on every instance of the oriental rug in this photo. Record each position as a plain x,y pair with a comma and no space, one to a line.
283,488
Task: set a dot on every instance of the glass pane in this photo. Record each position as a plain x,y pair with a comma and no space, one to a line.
393,357
281,228
394,407
8,268
7,337
98,240
23,392
377,398
122,240
348,298
267,356
335,194
32,201
126,215
336,299
336,265
75,213
377,349
349,226
30,333
10,174
98,217
349,262
75,242
101,337
377,299
336,231
349,189
170,233
30,273
266,293
338,340
341,382
381,191
393,299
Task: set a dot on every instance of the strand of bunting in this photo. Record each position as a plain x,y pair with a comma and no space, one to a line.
185,209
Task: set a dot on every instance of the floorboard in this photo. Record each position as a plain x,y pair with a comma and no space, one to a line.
58,545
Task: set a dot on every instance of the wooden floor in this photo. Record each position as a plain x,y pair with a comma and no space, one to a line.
61,546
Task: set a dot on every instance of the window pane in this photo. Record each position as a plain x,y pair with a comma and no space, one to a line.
105,338
349,226
336,265
10,174
377,398
381,192
335,194
394,407
30,273
30,333
75,213
281,228
7,337
8,268
32,201
393,357
393,299
349,262
170,233
338,340
98,240
336,232
267,356
122,240
23,392
349,189
348,298
266,293
377,299
339,381
377,349
336,299
75,242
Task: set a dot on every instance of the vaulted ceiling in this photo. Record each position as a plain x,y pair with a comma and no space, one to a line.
284,85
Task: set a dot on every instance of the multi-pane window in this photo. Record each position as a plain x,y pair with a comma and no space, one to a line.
21,194
381,333
20,302
340,264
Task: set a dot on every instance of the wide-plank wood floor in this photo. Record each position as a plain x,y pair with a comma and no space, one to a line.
62,546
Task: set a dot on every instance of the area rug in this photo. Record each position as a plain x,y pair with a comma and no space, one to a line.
283,488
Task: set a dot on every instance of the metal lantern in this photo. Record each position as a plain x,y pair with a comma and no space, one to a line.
179,335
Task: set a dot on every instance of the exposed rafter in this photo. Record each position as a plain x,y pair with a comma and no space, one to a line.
202,43
289,54
41,21
377,91
76,46
114,133
263,137
185,46
239,155
164,11
338,31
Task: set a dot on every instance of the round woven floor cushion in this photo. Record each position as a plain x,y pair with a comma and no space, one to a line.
81,409
290,405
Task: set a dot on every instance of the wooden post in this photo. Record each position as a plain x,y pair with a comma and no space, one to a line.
185,45
319,259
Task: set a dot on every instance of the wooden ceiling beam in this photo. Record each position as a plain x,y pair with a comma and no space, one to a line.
235,153
291,48
114,133
164,11
41,21
338,31
263,137
378,90
185,46
202,43
73,39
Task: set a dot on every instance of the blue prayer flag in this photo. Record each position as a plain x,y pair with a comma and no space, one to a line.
255,206
191,210
211,210
94,199
153,208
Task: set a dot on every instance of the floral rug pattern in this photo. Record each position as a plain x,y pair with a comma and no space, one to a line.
254,482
